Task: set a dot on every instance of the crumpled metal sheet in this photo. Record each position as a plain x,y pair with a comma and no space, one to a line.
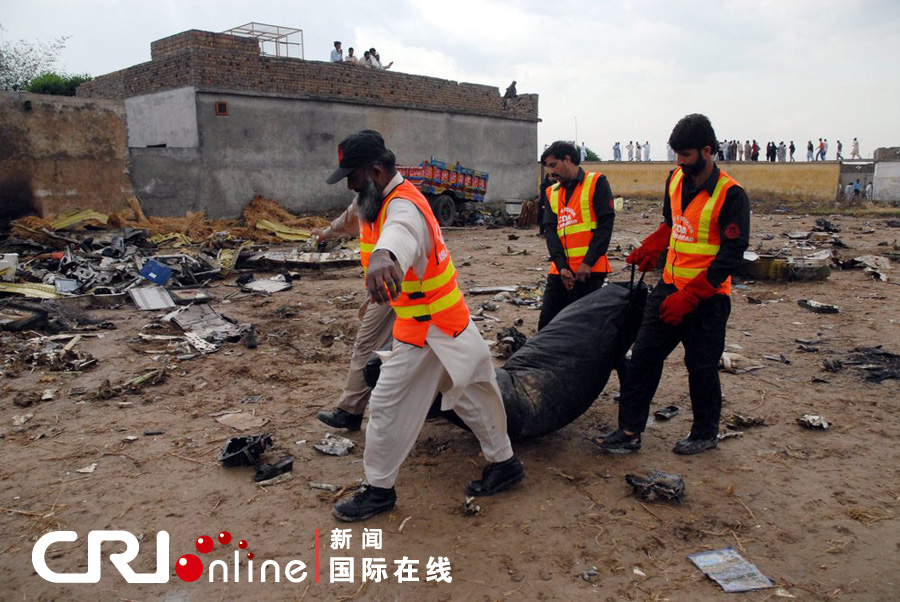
657,485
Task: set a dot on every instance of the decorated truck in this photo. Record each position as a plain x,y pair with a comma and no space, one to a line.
447,187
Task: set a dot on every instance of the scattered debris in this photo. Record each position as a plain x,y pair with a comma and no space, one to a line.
324,487
89,469
470,508
879,365
151,298
736,363
657,485
244,451
267,472
335,445
590,575
403,524
832,365
509,340
274,284
740,421
819,308
491,290
729,569
777,358
813,421
666,413
823,225
20,420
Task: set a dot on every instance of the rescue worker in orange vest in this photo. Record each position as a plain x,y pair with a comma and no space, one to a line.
706,230
578,222
436,345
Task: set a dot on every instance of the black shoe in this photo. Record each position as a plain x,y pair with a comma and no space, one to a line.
365,504
690,445
618,442
341,419
497,476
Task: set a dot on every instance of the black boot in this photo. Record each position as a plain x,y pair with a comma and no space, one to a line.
365,504
340,419
497,476
691,445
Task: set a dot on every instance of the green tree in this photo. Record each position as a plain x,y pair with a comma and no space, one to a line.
590,155
22,61
57,84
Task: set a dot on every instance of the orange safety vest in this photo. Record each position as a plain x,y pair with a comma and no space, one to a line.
695,237
575,223
433,299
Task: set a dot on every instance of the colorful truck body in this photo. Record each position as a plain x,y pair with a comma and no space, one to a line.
446,186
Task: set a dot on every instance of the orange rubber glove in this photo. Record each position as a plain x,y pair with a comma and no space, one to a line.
646,255
682,302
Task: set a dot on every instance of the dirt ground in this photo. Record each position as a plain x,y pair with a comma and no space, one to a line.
817,511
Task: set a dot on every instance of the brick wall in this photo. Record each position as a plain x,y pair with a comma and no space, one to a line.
211,62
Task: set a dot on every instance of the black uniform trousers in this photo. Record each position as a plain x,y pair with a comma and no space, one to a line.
702,332
557,298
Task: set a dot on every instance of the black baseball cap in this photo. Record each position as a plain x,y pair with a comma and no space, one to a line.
357,150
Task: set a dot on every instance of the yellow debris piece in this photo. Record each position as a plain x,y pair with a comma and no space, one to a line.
228,258
175,239
30,289
284,232
67,220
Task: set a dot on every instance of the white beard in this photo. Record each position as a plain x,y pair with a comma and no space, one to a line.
369,201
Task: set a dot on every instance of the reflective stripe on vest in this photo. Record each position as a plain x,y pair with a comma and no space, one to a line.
695,240
436,298
575,227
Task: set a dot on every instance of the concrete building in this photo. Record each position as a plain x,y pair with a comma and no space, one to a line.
212,122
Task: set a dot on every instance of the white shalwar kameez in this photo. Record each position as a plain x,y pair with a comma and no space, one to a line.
460,368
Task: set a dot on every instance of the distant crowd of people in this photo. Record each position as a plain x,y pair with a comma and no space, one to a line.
636,151
370,59
733,150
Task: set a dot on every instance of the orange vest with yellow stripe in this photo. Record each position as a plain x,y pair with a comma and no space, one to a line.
575,222
433,299
695,237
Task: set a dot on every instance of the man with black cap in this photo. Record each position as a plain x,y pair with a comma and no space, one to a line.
706,229
376,324
436,345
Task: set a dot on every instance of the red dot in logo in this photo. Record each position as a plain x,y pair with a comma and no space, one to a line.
189,568
204,544
224,538
249,555
242,544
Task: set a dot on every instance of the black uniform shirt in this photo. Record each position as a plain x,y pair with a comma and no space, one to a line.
601,235
734,223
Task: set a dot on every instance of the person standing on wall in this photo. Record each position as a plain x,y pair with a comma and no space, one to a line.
792,148
854,149
578,223
706,229
337,55
436,347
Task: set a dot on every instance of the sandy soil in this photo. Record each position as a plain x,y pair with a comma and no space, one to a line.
817,511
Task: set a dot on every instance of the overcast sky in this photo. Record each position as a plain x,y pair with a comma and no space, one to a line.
622,70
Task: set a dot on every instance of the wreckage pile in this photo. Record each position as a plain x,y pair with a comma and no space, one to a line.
52,270
811,254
